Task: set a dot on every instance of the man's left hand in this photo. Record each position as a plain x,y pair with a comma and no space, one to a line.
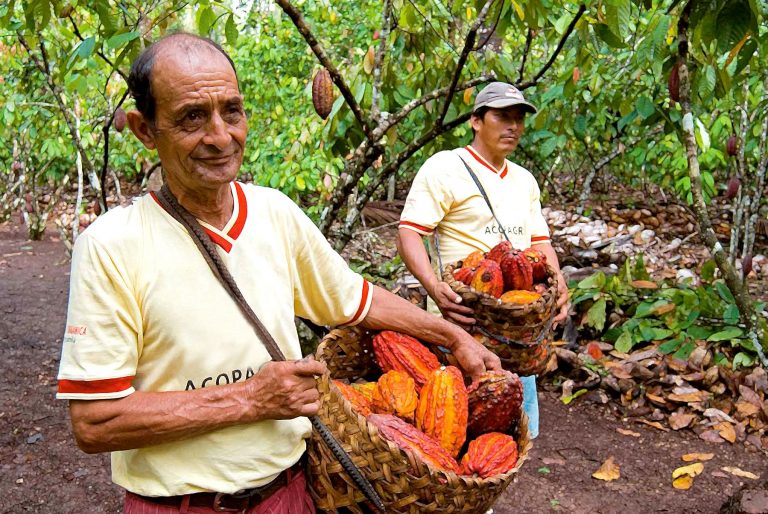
474,358
563,303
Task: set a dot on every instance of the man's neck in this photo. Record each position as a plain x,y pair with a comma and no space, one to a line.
494,159
214,206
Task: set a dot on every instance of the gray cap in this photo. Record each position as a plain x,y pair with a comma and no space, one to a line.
498,95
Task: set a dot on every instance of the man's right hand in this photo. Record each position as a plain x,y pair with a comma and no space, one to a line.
286,390
449,304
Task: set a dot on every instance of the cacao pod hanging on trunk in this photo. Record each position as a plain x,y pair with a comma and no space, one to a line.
732,146
733,187
674,82
322,93
442,411
746,265
120,119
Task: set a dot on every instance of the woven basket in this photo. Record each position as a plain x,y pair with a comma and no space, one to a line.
404,483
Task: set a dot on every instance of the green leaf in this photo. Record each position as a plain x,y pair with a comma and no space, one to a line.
624,343
593,281
731,314
685,351
121,39
699,332
645,107
742,359
724,292
206,18
596,315
670,346
230,29
708,270
726,334
604,32
85,48
568,399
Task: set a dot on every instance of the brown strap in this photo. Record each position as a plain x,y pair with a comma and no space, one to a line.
211,256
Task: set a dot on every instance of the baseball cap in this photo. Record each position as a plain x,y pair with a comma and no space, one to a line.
498,95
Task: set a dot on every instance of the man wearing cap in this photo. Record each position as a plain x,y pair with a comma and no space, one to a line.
445,201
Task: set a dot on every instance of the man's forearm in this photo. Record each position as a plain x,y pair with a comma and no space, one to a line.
550,254
414,255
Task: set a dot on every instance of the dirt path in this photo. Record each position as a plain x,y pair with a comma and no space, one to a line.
44,472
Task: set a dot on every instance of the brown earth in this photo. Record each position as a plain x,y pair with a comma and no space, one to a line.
43,471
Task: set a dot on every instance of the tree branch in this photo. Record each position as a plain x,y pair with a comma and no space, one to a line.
551,61
528,40
105,163
301,25
98,52
379,61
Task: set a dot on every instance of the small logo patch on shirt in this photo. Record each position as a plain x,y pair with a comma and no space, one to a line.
77,330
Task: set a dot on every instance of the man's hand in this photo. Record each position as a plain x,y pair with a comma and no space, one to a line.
449,304
474,358
286,390
563,303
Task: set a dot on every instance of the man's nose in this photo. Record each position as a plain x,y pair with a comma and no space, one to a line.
217,133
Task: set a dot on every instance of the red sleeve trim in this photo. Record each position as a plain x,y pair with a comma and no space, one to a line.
363,303
242,213
539,238
416,227
108,385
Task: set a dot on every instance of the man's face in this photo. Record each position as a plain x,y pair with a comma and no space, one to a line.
500,129
200,125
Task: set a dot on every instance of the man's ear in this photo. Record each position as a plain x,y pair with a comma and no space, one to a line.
142,129
474,122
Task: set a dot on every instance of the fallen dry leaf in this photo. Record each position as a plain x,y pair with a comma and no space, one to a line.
656,398
711,436
654,424
726,431
663,309
691,470
608,471
627,432
739,472
678,420
690,457
698,396
746,409
684,482
644,284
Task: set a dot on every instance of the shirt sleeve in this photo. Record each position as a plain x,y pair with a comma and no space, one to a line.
326,290
429,199
539,228
101,342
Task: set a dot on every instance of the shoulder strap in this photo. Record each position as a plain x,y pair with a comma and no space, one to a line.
485,196
219,269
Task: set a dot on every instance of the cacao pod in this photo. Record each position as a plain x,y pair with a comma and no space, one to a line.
497,252
376,35
395,393
473,259
16,166
322,93
66,11
408,437
488,278
366,389
520,297
495,402
733,187
746,265
395,351
538,263
120,119
464,275
490,454
673,84
359,402
517,271
443,409
732,146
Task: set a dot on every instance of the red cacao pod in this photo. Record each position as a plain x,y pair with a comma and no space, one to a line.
517,271
120,119
16,166
376,35
538,263
732,145
733,187
488,278
673,84
395,393
490,454
746,265
497,252
410,438
495,402
322,93
464,275
443,409
359,402
395,351
472,260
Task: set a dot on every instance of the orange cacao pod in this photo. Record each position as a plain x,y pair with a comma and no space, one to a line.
538,263
473,259
488,278
520,297
322,93
410,438
366,389
404,353
395,393
490,454
464,275
358,401
443,409
517,271
497,252
495,402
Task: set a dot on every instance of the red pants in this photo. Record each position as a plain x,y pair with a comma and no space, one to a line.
293,498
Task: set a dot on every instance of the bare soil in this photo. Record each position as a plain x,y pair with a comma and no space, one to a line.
43,470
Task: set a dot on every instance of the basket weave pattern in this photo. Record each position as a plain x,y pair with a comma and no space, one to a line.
404,483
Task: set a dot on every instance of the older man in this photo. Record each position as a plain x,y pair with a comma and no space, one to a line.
445,200
160,366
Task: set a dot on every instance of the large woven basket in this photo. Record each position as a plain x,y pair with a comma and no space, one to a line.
404,483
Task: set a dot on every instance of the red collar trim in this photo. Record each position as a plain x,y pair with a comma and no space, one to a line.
502,172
